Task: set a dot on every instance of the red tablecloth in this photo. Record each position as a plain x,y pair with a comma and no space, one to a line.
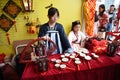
109,69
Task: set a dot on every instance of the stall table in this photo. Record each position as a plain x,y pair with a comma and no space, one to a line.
104,68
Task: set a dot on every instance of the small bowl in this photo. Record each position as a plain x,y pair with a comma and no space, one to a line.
84,50
65,59
62,56
77,59
62,66
77,62
57,65
82,55
67,54
72,57
58,61
53,60
73,54
95,56
87,58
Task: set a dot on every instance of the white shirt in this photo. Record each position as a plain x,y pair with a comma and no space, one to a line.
72,37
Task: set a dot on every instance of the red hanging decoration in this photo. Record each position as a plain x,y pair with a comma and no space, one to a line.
15,25
8,39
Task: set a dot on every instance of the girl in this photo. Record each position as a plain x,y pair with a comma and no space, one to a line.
76,37
54,31
103,20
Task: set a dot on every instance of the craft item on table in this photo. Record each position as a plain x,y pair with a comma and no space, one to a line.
84,50
94,55
77,62
67,54
77,59
62,56
111,49
96,45
6,24
58,61
82,55
57,65
72,57
53,60
88,58
63,66
65,59
40,51
73,54
118,53
12,9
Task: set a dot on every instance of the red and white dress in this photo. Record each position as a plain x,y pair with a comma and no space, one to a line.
76,40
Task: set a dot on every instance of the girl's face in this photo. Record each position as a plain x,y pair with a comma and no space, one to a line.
100,9
112,8
54,18
76,28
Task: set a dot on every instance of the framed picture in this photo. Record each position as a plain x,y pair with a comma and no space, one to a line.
5,23
12,9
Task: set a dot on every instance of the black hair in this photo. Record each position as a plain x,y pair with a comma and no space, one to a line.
75,23
52,11
103,7
112,5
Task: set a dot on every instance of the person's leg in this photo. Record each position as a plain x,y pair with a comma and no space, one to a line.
109,29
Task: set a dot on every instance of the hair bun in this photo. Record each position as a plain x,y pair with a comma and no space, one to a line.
76,22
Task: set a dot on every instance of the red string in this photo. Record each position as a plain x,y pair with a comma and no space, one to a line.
89,66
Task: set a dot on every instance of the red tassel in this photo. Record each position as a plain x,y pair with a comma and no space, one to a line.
8,38
78,67
15,25
89,66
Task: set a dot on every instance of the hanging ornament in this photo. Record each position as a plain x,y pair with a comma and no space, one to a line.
15,25
89,12
6,24
32,29
7,34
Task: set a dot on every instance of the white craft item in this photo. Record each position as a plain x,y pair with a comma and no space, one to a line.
65,59
62,66
57,65
58,61
87,58
77,62
62,56
67,54
53,60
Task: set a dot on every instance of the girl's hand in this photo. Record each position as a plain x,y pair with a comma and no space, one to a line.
46,37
